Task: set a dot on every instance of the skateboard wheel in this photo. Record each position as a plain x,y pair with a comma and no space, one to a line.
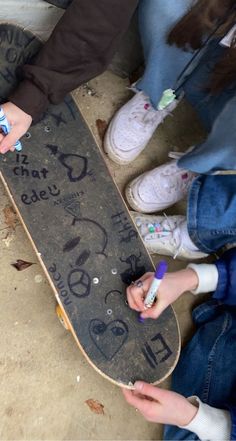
62,318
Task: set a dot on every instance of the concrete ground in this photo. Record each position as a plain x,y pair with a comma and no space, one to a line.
44,379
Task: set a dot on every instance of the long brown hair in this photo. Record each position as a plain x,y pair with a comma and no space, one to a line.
201,20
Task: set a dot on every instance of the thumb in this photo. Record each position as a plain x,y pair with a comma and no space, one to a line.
150,391
155,311
8,141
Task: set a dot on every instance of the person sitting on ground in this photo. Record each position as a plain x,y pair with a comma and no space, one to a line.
81,47
209,224
206,371
172,34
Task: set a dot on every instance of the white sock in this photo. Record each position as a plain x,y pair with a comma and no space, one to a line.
186,240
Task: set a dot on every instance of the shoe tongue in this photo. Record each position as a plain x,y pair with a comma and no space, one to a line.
158,185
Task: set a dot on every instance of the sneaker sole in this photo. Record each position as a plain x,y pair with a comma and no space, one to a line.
181,257
130,199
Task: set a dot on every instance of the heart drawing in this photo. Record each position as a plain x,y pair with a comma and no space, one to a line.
108,338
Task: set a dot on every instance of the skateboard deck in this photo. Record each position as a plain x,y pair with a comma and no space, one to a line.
83,235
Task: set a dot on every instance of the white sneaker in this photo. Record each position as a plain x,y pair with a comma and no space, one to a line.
132,127
159,188
163,235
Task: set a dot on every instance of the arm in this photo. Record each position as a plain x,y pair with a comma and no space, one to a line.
166,407
219,278
80,48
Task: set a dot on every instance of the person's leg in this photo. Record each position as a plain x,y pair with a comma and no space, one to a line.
206,367
211,212
163,63
134,124
217,152
210,223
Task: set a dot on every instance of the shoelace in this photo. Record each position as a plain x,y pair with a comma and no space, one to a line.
176,235
149,117
144,117
171,184
161,113
178,155
174,232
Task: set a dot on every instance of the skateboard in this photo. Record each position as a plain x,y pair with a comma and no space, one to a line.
83,235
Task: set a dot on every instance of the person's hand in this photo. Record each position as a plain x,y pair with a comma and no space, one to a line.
160,405
173,285
19,122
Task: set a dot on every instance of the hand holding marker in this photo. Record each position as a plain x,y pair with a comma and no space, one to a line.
158,276
6,128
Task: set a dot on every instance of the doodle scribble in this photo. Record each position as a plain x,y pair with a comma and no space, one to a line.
82,259
124,227
112,292
76,165
134,271
73,208
71,244
79,282
104,241
158,352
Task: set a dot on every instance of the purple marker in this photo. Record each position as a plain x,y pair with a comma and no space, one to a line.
158,276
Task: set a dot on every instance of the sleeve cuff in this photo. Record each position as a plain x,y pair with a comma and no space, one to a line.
207,277
209,424
29,98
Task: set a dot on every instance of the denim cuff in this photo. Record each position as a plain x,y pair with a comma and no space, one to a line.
211,212
221,288
193,216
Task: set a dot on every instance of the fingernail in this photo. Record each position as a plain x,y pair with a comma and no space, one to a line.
138,385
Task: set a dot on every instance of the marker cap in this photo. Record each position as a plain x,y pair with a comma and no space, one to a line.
161,270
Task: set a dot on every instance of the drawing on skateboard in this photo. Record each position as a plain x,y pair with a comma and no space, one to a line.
83,235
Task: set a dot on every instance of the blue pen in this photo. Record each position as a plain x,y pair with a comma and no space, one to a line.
6,128
158,276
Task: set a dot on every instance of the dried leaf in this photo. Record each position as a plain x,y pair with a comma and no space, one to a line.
9,237
95,406
21,265
101,126
10,216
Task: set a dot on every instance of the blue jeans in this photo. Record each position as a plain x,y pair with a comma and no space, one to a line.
164,63
211,212
207,365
